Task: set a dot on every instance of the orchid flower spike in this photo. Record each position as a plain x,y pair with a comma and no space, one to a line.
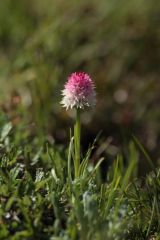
79,91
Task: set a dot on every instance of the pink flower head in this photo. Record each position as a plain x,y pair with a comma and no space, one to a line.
78,91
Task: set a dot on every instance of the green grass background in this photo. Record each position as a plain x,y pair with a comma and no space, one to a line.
118,44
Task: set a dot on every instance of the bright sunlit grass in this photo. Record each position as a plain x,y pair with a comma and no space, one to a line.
40,199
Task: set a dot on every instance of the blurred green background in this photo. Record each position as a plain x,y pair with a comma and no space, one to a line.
117,42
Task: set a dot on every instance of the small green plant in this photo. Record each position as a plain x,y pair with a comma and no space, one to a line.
38,202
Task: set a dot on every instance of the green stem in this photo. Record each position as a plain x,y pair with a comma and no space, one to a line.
77,136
